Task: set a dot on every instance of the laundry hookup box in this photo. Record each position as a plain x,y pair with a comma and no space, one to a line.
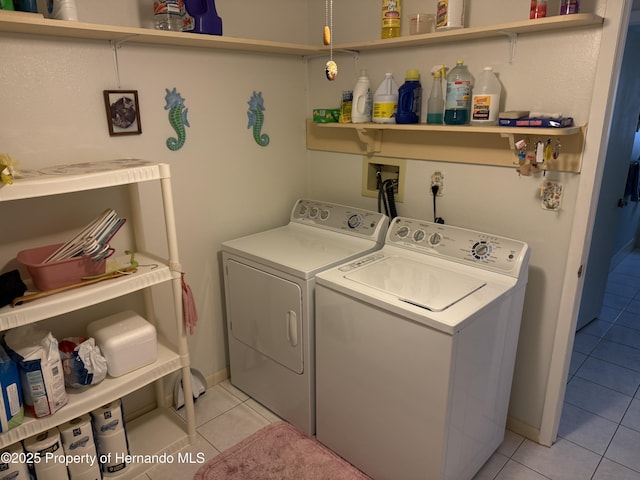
126,340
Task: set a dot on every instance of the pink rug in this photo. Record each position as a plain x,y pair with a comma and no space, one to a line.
278,452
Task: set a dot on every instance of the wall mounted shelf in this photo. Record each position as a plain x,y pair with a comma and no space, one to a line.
36,24
460,144
559,22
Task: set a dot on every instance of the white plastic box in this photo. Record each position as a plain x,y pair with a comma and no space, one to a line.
126,340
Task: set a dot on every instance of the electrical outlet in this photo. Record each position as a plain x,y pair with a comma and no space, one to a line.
437,178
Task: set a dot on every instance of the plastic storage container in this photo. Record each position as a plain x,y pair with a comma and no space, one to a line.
385,101
391,18
362,101
47,276
168,15
485,101
126,340
410,98
458,99
435,103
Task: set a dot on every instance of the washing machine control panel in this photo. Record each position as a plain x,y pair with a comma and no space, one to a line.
340,218
458,244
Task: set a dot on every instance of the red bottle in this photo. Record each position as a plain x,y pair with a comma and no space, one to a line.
538,9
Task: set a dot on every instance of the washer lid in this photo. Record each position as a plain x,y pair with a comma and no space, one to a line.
427,286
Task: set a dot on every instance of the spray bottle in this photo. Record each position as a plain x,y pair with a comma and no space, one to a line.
435,103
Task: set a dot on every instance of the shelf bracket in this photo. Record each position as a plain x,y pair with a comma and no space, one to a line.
513,40
372,138
115,46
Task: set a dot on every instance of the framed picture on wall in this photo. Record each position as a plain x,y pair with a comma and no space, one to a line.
123,112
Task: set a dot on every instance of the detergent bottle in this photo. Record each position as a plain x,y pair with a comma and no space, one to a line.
410,98
361,99
385,101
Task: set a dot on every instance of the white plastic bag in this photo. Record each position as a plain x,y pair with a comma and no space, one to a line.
82,362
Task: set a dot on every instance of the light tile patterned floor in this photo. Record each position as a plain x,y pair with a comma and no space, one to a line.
599,436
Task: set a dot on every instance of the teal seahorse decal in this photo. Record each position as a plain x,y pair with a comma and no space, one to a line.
177,118
256,118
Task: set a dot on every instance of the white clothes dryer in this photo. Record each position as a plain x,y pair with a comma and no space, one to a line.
415,350
269,281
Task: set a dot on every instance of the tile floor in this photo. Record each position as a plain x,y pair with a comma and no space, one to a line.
599,435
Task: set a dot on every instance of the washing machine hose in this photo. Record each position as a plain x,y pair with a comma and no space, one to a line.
385,196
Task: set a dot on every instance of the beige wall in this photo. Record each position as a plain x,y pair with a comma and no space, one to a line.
226,186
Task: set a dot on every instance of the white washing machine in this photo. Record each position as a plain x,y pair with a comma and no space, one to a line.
415,349
269,281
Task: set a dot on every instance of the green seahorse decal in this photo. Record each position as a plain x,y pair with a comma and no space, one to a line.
177,118
256,119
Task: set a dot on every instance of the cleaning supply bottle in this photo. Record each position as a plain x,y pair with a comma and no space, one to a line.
435,103
391,18
568,7
410,98
201,17
458,100
168,14
385,101
361,101
538,9
450,14
62,10
485,101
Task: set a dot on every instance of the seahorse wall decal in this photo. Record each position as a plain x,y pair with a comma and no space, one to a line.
256,118
177,118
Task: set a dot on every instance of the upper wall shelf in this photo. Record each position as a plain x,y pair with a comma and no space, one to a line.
36,24
559,22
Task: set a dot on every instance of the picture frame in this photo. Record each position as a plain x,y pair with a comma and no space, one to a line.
123,112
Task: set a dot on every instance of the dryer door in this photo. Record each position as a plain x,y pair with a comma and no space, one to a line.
266,313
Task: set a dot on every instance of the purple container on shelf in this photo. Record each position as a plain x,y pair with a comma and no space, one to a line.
205,17
567,7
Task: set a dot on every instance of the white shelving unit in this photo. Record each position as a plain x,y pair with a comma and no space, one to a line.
169,431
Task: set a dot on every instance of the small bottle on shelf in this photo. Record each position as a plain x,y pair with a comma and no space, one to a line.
568,7
391,18
168,15
538,9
